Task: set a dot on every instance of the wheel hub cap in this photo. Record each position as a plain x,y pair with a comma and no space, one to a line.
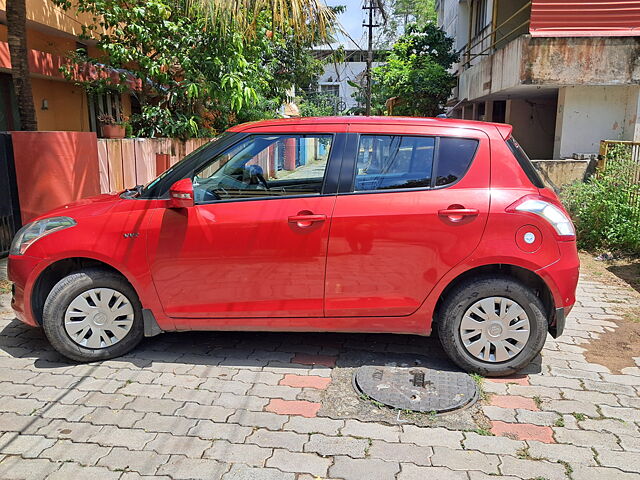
495,329
99,318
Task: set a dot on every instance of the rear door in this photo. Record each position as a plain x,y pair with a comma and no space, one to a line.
413,202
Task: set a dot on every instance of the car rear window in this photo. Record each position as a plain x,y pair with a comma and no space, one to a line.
387,162
525,163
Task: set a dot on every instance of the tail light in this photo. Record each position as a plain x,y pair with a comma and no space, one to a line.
544,208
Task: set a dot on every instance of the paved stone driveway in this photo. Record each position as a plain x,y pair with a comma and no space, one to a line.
250,406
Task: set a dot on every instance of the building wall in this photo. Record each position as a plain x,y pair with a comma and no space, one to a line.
67,104
341,74
533,123
588,114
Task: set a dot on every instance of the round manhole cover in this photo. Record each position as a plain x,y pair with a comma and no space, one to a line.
417,388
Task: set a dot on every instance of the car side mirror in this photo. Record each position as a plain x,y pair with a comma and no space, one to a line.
181,194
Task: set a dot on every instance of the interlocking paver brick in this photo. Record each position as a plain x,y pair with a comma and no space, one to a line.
356,469
609,387
183,468
69,471
625,461
299,463
522,431
305,381
532,469
111,400
145,390
609,425
586,438
243,402
307,359
82,453
225,386
178,445
400,452
205,412
326,426
119,418
13,422
623,413
414,472
29,446
388,433
629,443
145,463
548,419
464,460
267,378
164,406
583,472
154,422
269,420
274,391
293,407
122,437
244,472
203,397
75,431
220,431
431,437
329,446
288,440
569,453
238,453
491,444
23,406
500,413
571,406
513,401
14,467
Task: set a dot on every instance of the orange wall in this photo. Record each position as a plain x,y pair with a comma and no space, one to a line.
54,168
68,108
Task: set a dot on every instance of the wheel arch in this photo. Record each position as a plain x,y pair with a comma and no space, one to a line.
56,271
521,274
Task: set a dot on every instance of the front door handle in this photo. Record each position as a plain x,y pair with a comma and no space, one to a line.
304,219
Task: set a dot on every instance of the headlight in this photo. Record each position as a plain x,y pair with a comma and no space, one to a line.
34,231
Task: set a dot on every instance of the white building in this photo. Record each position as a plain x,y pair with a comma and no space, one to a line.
565,74
336,77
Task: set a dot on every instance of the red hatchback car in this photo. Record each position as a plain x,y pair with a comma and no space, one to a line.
352,224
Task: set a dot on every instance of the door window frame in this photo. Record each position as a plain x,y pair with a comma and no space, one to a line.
348,172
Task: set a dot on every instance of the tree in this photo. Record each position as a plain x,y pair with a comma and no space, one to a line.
17,39
402,13
194,76
416,74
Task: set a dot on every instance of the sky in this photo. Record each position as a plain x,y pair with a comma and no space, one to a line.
351,21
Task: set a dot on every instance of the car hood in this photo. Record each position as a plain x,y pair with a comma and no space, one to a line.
86,207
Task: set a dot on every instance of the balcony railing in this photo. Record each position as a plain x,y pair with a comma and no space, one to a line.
489,40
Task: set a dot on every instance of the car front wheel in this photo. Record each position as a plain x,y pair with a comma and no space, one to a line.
492,325
93,315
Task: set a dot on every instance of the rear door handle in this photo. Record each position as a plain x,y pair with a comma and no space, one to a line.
306,220
458,212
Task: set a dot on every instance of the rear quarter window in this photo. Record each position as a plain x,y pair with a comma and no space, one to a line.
454,158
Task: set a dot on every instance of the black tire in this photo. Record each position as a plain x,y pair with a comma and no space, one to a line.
467,293
65,291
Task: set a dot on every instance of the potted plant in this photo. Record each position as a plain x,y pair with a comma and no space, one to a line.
110,127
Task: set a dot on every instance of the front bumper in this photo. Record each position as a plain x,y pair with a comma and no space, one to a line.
21,271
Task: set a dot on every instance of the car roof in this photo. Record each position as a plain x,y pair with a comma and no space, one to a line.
504,129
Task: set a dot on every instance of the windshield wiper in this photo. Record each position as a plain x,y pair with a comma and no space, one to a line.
137,190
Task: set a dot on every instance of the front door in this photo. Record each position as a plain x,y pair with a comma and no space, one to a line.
416,205
255,243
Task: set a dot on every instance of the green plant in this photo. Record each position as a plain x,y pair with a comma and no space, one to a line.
416,73
559,422
579,416
606,208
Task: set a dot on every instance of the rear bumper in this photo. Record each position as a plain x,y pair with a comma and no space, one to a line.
562,279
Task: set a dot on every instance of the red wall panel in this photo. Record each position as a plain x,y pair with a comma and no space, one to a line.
578,18
54,168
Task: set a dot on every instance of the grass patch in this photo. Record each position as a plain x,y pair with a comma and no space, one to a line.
559,422
5,286
579,416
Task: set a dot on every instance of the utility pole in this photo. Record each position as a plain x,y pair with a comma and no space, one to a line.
370,6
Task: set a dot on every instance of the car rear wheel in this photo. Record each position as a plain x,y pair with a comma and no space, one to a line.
492,325
93,315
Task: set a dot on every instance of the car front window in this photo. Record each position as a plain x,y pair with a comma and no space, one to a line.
265,166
